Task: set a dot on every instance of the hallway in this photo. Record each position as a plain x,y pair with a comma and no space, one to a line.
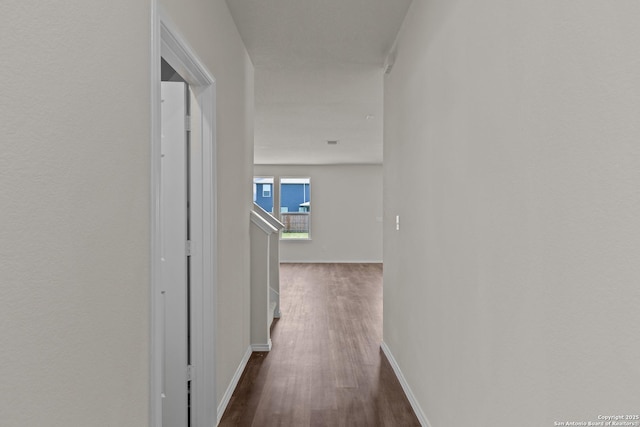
326,367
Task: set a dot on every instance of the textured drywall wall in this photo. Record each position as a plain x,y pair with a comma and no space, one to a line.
74,213
346,213
210,30
511,289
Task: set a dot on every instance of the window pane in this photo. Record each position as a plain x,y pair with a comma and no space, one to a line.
295,207
262,194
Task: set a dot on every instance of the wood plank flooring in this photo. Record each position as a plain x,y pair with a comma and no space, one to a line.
326,367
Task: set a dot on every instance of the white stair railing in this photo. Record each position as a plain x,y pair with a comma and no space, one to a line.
265,276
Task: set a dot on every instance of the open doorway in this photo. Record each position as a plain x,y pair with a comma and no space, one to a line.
175,177
183,234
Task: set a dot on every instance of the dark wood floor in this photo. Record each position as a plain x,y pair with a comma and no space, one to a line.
326,367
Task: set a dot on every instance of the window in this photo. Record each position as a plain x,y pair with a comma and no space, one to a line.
262,192
266,190
295,208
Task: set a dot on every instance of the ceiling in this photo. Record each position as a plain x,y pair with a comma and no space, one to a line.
318,76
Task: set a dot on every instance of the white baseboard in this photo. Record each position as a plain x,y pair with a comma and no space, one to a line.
232,385
405,386
262,347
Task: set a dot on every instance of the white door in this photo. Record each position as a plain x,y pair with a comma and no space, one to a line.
174,262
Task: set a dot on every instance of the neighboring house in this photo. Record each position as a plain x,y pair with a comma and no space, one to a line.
294,197
263,195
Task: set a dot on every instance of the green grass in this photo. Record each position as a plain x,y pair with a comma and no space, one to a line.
291,236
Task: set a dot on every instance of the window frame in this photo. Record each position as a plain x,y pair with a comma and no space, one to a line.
308,212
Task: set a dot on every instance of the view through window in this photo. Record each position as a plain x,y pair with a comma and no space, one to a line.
295,207
263,192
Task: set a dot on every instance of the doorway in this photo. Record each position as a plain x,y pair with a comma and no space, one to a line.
182,378
174,256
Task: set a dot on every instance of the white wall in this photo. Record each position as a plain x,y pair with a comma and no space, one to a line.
511,290
346,209
211,31
74,216
74,191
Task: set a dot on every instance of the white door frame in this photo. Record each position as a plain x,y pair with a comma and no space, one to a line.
168,43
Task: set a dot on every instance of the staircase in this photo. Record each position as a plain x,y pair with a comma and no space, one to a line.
265,276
